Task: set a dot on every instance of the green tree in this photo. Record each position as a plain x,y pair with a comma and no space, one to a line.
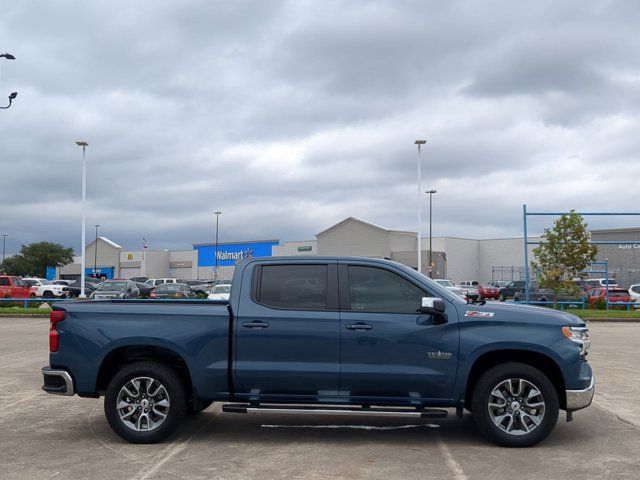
34,259
563,253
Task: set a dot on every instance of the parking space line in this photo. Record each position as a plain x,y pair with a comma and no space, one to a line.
179,447
12,354
452,463
40,360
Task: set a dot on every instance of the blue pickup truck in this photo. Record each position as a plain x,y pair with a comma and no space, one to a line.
323,335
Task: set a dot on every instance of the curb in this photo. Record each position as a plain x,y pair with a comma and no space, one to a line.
25,315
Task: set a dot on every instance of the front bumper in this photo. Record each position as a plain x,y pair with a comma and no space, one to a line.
577,399
57,382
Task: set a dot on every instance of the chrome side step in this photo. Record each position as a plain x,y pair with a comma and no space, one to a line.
333,410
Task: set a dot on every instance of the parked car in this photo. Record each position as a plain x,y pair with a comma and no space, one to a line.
509,291
634,292
172,290
598,282
154,282
470,290
14,287
110,289
45,288
488,291
144,289
499,283
201,287
537,294
449,285
139,279
73,290
375,338
616,295
221,291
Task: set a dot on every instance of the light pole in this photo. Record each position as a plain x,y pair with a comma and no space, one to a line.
430,192
95,254
215,271
4,244
419,143
84,146
13,95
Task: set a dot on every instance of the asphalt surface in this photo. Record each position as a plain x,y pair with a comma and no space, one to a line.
45,436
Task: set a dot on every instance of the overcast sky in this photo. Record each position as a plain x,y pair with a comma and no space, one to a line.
290,116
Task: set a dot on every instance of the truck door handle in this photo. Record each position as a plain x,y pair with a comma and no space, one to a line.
255,324
358,326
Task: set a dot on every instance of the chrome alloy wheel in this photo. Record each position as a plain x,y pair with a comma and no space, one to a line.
516,406
143,404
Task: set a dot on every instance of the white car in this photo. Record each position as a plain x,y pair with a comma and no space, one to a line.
220,292
154,282
449,285
45,288
634,292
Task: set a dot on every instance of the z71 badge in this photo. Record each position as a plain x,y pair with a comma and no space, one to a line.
476,313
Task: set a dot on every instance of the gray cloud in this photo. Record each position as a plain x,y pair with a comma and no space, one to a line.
291,115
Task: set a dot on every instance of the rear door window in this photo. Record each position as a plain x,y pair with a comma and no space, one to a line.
378,290
294,287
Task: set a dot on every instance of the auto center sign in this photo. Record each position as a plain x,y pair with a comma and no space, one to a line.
228,254
635,247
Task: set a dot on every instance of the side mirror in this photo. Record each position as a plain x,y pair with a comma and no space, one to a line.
432,306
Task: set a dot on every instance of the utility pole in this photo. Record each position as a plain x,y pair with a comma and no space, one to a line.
95,254
4,244
430,192
84,146
419,143
215,271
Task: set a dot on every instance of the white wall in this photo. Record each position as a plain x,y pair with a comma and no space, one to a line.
291,248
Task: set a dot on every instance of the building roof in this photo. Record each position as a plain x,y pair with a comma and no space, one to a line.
212,244
616,230
357,220
108,242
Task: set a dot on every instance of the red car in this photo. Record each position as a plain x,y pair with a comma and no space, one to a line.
487,291
14,287
615,295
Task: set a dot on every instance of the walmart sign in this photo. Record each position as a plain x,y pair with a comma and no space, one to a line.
229,254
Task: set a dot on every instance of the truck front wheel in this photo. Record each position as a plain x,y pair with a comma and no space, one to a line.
515,405
145,402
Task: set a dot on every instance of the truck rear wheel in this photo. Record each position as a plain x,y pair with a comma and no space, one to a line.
145,402
515,405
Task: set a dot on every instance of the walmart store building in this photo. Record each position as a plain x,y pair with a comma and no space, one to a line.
456,258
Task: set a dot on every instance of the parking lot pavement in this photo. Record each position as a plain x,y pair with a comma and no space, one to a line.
44,436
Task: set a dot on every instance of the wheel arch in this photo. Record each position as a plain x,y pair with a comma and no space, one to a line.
128,354
538,360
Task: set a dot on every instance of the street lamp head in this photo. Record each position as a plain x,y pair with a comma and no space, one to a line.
81,143
8,56
430,191
420,142
217,212
13,95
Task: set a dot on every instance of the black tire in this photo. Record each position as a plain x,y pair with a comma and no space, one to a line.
47,294
175,390
502,298
199,407
482,394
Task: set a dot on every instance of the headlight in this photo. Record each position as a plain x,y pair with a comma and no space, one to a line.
121,295
579,335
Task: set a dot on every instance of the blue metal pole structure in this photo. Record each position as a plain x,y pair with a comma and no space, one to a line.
526,255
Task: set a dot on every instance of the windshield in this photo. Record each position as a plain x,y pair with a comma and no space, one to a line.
112,286
445,283
222,289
